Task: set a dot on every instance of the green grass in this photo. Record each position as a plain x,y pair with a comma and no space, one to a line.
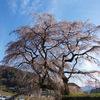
84,95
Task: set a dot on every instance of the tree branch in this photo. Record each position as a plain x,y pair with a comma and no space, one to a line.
91,49
81,72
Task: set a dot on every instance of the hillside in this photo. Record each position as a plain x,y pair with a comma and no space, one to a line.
12,77
75,89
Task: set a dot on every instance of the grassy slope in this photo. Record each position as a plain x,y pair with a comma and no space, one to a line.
84,95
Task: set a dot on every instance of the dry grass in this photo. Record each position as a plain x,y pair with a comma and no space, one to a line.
36,98
26,97
6,93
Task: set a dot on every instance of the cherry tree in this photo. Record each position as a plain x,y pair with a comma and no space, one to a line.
52,50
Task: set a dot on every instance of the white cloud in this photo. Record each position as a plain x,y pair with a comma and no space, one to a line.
25,3
56,5
12,5
25,6
34,6
61,9
28,6
86,65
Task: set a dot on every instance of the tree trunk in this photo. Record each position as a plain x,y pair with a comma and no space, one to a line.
65,89
61,92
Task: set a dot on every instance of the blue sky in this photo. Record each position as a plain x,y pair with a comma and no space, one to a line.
15,13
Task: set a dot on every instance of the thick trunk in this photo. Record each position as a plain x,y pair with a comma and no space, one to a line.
65,89
62,90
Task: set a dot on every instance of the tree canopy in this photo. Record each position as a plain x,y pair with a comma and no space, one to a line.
52,49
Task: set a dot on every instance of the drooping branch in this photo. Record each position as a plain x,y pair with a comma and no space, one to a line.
90,50
82,72
73,68
74,55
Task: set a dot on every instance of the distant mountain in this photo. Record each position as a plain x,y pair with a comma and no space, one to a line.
95,90
87,88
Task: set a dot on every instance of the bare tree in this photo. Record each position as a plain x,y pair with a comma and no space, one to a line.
50,48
